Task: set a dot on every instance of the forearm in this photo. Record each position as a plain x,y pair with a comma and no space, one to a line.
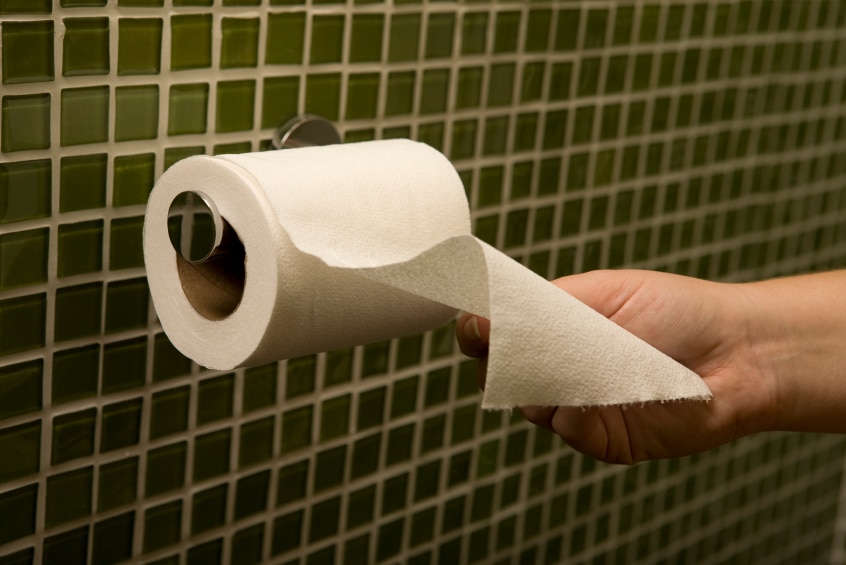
797,332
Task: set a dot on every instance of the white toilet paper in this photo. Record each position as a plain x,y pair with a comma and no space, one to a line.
350,244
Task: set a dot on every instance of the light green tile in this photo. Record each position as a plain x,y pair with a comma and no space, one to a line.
239,46
86,47
27,51
25,122
191,41
188,108
139,46
327,39
136,112
85,115
235,104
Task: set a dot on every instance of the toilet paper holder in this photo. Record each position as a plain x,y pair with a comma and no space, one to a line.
197,230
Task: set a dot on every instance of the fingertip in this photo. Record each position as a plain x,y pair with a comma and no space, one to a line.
472,333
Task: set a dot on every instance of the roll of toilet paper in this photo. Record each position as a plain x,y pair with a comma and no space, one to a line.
349,244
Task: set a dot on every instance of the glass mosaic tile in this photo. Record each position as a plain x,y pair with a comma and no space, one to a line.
25,122
86,47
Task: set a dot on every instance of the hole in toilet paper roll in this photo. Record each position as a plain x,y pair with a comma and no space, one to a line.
214,287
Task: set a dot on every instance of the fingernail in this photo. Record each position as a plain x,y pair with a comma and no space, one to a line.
471,329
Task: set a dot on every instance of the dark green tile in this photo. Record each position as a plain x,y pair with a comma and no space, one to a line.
323,95
22,323
361,506
287,532
251,494
329,468
435,89
208,509
141,3
366,456
80,248
256,445
474,33
73,436
366,38
165,469
121,425
469,91
371,408
80,251
501,84
432,433
248,545
531,88
325,519
136,112
404,396
362,96
20,503
495,135
589,73
86,47
75,373
259,387
338,367
208,553
296,429
83,182
169,412
113,539
117,484
21,446
334,417
537,31
211,454
168,362
27,51
26,122
506,31
21,388
68,496
162,525
25,190
291,482
560,81
327,39
568,26
139,46
85,115
440,28
400,442
69,547
300,375
280,100
427,480
390,539
404,38
400,93
126,305
23,258
214,398
29,6
191,41
239,46
124,365
464,139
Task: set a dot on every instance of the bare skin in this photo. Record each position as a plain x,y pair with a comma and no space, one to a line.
773,354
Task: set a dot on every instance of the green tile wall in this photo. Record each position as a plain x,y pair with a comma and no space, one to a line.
707,139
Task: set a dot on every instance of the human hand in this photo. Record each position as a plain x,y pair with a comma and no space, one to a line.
703,325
